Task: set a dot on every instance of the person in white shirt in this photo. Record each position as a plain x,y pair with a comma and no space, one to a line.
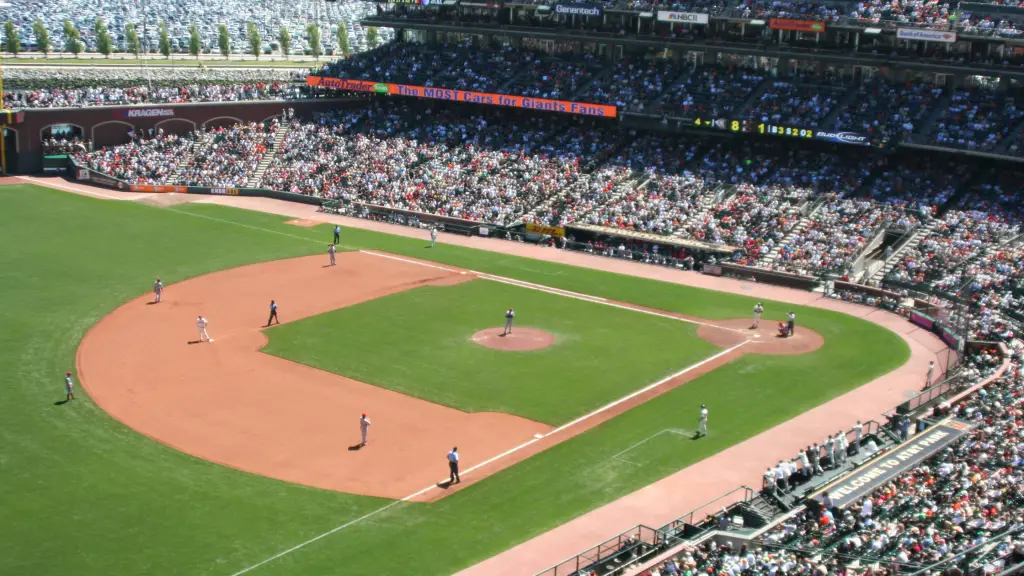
158,289
769,480
510,315
702,426
858,431
331,250
780,476
433,236
758,309
453,466
69,388
364,427
202,323
931,373
805,465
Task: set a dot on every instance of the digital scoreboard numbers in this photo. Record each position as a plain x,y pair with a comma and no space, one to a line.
723,124
787,131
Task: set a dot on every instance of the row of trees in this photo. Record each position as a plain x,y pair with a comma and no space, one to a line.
105,44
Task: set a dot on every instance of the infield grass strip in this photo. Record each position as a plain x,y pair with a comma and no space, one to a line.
81,494
418,342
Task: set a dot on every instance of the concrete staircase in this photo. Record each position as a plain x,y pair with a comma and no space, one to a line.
809,211
848,97
928,126
261,169
199,143
708,203
889,263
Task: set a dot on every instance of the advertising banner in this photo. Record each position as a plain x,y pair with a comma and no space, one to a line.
871,475
682,17
926,35
563,106
157,189
224,191
549,230
842,137
797,25
922,320
144,113
579,9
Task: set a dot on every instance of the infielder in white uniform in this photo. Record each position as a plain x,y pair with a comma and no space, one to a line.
433,236
758,309
201,323
158,289
331,250
702,426
509,317
69,388
364,426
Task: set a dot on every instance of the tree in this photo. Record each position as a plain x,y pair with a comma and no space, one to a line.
131,40
284,38
343,45
372,37
224,39
193,41
255,41
313,31
42,36
165,40
104,44
71,38
11,34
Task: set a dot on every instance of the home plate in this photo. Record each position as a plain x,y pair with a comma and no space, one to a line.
757,335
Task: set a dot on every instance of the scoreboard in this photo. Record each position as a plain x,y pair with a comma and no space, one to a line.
781,130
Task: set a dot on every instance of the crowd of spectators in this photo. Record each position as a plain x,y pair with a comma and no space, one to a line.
977,119
133,95
143,160
888,109
228,157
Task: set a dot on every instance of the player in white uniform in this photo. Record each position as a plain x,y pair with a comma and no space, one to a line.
158,289
201,323
433,236
757,316
702,426
69,387
509,317
364,427
331,250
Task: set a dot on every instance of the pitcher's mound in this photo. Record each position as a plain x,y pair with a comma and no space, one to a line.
520,340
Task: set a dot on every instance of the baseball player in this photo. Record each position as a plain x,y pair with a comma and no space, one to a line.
364,427
273,313
433,236
337,233
158,289
758,309
509,316
201,323
331,250
69,387
702,426
791,324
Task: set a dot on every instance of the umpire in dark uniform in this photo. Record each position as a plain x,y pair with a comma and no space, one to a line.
273,313
791,324
453,466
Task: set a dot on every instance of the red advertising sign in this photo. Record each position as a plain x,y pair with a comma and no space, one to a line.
564,106
797,25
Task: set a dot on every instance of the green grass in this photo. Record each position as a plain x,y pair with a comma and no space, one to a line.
80,494
418,342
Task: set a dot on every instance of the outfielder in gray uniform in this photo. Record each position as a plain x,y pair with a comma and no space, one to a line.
158,289
509,316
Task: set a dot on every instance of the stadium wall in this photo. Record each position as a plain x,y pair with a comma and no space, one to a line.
110,125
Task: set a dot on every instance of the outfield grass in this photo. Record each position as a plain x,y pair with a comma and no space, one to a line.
418,342
80,494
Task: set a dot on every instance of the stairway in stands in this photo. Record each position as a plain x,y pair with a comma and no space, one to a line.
279,136
188,158
897,255
767,260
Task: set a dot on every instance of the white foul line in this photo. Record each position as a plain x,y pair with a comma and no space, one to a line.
561,428
556,291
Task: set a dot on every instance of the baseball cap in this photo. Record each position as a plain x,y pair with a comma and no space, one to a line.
69,373
364,414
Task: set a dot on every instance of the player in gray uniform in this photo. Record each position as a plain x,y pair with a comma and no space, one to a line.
433,236
509,316
158,289
331,250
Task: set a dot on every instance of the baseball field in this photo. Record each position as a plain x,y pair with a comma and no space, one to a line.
239,456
